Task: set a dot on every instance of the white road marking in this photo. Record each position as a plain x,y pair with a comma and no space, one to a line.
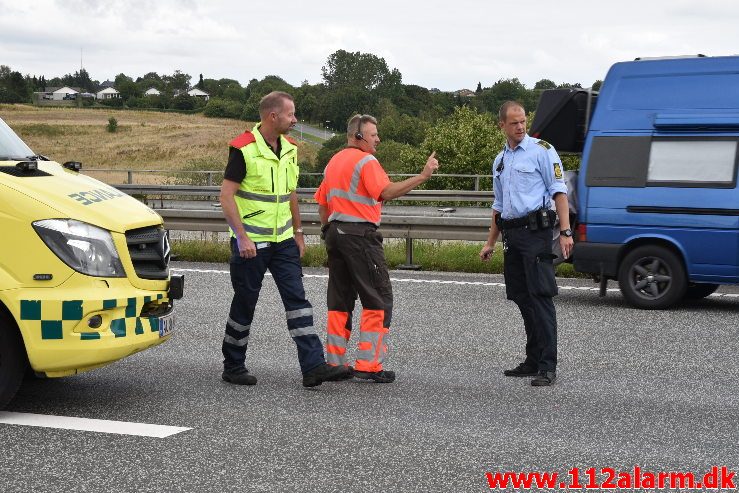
86,424
411,280
457,283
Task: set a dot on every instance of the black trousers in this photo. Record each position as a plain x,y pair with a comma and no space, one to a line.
530,283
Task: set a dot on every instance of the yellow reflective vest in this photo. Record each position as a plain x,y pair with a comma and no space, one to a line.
263,199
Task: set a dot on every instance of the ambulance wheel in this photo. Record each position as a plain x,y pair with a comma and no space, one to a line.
652,277
12,360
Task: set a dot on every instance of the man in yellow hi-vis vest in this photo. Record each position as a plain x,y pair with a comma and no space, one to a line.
261,207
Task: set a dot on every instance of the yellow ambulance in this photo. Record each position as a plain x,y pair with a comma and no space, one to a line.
84,270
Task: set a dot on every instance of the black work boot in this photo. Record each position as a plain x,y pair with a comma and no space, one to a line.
382,376
325,373
522,370
544,379
239,376
349,373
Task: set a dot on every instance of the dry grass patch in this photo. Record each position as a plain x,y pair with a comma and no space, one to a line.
144,139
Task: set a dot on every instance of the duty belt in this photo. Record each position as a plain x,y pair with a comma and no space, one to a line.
518,222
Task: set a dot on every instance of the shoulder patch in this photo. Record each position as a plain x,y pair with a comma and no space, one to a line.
545,144
291,140
243,140
558,171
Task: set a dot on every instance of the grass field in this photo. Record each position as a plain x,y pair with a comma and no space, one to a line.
144,139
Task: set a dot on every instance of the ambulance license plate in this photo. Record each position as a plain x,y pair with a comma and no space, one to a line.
166,324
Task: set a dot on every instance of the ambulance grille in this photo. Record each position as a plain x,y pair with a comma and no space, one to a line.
150,252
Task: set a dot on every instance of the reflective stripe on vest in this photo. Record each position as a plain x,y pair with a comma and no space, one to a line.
263,200
351,194
259,197
268,231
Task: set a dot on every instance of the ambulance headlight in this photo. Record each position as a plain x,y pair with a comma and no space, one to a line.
84,247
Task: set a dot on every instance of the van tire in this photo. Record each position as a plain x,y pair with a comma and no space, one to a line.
652,277
13,361
697,291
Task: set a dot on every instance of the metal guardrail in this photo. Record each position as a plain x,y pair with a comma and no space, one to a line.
170,191
212,177
438,225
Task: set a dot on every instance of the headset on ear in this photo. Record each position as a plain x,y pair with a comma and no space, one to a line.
358,135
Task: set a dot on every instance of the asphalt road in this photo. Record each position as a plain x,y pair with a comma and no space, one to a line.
657,390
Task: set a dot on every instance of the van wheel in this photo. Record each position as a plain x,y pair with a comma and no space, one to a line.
652,277
12,360
699,291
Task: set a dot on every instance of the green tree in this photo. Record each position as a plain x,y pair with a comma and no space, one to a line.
183,101
597,84
404,129
128,88
465,143
362,70
178,81
149,80
545,84
223,108
14,88
234,92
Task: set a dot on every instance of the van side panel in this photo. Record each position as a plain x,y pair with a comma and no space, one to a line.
660,162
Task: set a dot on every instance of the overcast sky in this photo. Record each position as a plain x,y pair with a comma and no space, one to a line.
444,44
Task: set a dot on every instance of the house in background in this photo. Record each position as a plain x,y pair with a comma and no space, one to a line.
60,93
152,91
107,84
108,93
197,93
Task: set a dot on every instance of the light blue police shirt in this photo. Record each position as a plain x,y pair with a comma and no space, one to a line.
532,173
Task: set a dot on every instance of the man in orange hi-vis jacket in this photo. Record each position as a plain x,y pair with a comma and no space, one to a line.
349,204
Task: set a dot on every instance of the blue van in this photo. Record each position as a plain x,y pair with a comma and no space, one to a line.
658,204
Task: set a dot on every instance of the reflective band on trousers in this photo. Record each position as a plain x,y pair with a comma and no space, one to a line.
236,342
337,337
261,197
237,326
303,331
370,341
302,312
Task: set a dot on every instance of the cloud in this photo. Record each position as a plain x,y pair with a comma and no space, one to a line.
432,43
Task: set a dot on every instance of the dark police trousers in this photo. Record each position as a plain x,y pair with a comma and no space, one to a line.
530,283
283,261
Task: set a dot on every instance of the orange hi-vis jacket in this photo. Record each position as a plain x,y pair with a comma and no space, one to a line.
351,188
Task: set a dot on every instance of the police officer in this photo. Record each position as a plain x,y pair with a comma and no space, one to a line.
527,173
261,207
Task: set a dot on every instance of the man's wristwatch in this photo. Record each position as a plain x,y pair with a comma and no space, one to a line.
566,232
298,230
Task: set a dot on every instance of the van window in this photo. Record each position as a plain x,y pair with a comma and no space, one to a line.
692,162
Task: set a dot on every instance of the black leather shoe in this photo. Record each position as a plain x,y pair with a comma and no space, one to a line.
239,376
382,376
325,373
544,379
522,370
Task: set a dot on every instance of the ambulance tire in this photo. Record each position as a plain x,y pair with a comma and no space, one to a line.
13,360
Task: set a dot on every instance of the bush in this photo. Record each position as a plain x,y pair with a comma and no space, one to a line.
112,124
223,108
112,102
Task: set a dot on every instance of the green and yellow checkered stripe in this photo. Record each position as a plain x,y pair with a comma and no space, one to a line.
57,317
